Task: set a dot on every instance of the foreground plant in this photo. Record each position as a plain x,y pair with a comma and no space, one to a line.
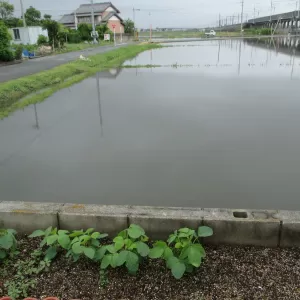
129,249
8,243
54,239
85,242
183,251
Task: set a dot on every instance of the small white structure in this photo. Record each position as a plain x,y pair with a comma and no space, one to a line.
27,35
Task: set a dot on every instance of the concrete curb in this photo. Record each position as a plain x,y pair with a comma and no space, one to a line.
235,227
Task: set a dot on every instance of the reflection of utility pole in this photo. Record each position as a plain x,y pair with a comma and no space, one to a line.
292,73
36,117
240,53
99,102
22,12
219,52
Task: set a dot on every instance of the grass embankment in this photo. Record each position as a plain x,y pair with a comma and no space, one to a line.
39,86
81,46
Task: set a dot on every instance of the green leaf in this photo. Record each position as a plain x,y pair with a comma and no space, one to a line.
75,240
11,231
2,254
172,261
76,233
205,231
119,242
123,234
135,231
111,249
100,253
184,230
95,243
89,252
132,246
106,261
77,248
178,269
103,235
194,256
156,252
178,245
132,262
122,257
171,238
43,242
168,253
37,233
6,242
52,239
64,241
184,252
90,230
63,232
48,230
50,253
95,235
114,260
142,249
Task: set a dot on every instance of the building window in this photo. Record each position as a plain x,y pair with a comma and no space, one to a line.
16,34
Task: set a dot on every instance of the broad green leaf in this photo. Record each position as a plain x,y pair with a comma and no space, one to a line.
76,233
95,243
100,253
90,230
103,235
75,257
64,241
37,233
178,269
122,257
168,253
172,261
89,252
178,245
111,249
132,246
123,234
6,242
144,238
184,253
132,268
205,231
161,244
135,231
184,230
75,240
52,239
156,252
84,239
95,235
142,249
119,242
132,262
50,253
2,254
77,248
189,268
171,238
128,243
12,231
114,260
63,232
200,249
54,231
194,256
106,261
48,230
43,242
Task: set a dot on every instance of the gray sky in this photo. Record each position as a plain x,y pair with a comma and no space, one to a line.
168,13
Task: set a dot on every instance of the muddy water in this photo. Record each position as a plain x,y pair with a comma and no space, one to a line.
217,126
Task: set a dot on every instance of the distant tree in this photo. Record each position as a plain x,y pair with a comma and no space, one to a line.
129,26
5,51
53,30
85,31
47,17
6,10
13,22
33,16
103,29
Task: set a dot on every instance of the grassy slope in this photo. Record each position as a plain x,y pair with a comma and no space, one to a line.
52,80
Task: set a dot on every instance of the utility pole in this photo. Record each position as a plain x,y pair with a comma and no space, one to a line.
22,12
242,17
254,14
93,22
271,12
220,20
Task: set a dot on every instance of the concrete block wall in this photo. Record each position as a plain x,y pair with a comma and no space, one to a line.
267,228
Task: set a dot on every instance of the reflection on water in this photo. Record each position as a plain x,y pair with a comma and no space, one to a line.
218,127
249,58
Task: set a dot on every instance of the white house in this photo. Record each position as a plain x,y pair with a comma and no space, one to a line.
27,35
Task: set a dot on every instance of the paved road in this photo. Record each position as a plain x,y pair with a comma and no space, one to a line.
45,63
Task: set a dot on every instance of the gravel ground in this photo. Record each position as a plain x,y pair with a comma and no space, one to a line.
227,273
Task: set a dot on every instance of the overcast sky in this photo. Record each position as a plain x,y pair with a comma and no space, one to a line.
168,13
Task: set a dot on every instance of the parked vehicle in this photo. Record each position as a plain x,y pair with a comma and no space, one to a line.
211,33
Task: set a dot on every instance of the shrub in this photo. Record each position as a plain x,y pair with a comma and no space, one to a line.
85,31
8,243
19,52
183,251
74,37
5,52
42,40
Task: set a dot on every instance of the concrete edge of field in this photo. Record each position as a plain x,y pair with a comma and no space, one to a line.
268,228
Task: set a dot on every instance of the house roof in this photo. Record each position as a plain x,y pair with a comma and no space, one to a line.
109,15
98,8
67,19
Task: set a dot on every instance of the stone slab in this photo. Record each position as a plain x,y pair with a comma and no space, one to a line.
242,227
25,217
